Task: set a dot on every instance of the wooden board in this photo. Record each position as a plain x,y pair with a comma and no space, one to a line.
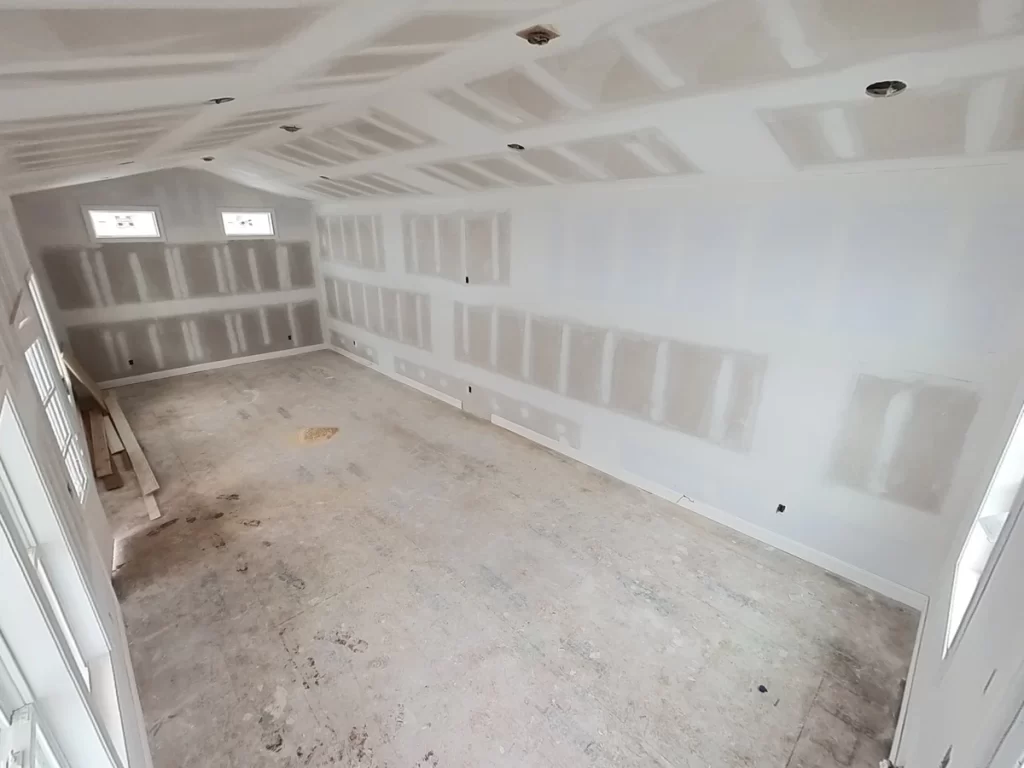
113,481
98,446
152,508
114,443
83,378
143,472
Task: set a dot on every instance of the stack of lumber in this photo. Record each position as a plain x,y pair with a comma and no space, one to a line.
112,443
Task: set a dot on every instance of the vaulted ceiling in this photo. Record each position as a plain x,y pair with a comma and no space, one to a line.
423,97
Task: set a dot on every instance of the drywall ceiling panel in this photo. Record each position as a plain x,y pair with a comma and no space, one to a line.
645,154
47,144
518,99
877,27
366,185
720,43
246,125
640,155
603,72
384,63
377,133
117,73
82,32
928,123
452,77
30,131
506,168
440,29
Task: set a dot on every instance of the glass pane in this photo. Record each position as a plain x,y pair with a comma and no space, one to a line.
40,371
259,223
58,421
74,460
124,225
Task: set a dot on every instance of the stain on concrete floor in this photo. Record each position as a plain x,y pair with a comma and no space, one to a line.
426,589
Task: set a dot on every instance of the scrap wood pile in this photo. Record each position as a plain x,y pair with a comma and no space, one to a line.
112,444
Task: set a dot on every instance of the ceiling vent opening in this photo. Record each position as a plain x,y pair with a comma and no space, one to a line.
538,34
883,89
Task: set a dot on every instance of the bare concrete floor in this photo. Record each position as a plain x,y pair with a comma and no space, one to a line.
425,589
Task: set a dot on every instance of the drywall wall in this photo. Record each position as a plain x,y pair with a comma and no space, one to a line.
196,297
843,346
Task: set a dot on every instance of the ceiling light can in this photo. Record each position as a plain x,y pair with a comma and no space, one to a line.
883,89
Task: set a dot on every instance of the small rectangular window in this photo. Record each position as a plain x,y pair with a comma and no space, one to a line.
111,224
248,223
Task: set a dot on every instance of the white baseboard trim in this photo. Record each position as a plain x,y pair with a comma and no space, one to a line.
447,399
355,358
111,383
850,572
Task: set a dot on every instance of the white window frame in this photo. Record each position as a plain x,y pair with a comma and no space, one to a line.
44,319
28,535
268,211
58,405
57,562
46,369
1010,464
98,239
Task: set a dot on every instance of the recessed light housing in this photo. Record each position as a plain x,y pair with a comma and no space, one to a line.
883,89
290,128
516,147
221,100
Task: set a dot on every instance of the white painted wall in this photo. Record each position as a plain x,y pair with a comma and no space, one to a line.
912,276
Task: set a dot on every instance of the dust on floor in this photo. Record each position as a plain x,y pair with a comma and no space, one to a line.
425,589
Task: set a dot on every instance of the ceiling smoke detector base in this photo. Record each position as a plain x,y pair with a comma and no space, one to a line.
539,34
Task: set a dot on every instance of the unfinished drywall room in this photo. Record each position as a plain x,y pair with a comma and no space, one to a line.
462,383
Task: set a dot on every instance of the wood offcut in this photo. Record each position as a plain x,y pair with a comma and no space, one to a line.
83,378
113,439
143,472
100,451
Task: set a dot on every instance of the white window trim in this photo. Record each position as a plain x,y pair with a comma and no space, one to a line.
50,385
36,294
162,237
27,596
226,236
